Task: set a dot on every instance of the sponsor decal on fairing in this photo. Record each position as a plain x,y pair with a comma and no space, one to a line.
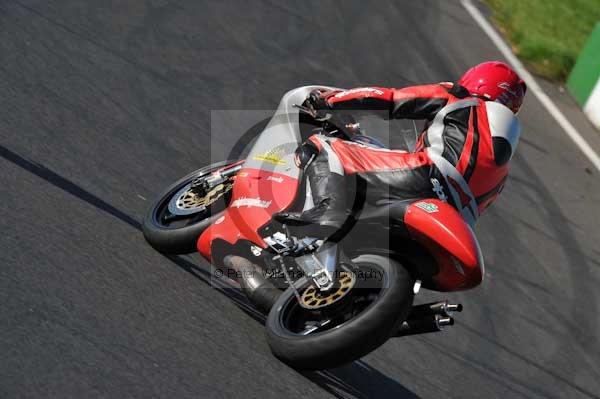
427,207
273,156
250,202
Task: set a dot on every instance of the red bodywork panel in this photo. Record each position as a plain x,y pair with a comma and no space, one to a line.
440,228
257,194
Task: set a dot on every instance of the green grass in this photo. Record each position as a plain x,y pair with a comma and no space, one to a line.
546,34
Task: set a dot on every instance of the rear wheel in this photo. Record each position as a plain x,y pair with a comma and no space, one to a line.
175,221
360,313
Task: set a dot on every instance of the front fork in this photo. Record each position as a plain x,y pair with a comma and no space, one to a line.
205,183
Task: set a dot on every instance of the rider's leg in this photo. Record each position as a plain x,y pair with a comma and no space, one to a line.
326,179
388,174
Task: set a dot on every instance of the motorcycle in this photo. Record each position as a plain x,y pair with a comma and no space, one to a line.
328,301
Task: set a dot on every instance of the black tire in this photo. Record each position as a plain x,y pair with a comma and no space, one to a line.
181,240
352,339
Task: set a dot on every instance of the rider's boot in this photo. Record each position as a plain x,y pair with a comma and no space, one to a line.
328,192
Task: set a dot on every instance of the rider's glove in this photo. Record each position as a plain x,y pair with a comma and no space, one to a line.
317,99
317,103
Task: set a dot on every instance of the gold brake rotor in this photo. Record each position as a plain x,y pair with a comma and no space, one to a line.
190,200
313,298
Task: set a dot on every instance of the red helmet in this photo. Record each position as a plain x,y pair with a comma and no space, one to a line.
495,81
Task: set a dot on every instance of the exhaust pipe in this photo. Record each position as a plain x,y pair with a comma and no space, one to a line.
261,292
428,317
443,308
426,324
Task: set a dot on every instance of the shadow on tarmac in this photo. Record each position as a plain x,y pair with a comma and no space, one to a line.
355,380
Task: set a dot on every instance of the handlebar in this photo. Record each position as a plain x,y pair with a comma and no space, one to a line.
334,125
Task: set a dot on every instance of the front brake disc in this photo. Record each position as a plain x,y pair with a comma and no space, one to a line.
186,201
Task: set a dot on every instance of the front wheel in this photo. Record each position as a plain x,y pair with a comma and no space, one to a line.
371,301
176,219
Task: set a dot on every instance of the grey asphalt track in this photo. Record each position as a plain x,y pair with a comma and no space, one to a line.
103,104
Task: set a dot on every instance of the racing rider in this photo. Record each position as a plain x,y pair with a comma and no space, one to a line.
462,156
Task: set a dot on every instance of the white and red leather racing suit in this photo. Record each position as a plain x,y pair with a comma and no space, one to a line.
462,155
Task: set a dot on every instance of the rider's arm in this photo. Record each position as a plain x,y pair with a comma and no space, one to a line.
415,102
419,102
361,98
